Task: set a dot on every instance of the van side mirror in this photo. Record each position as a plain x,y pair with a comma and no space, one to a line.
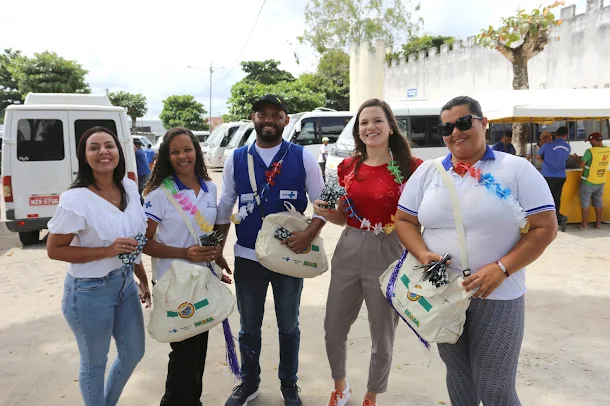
298,127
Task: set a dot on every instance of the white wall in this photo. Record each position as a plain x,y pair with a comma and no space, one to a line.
580,58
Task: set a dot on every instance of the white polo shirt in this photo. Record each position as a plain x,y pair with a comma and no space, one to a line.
171,229
491,228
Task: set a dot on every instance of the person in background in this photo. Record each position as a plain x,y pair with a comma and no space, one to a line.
141,164
595,164
532,150
323,154
98,219
505,144
298,178
554,156
150,156
482,364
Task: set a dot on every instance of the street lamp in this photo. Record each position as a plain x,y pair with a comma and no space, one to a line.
211,69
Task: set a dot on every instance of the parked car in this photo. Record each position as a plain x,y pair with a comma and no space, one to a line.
39,159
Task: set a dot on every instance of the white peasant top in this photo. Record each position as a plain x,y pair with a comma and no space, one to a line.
97,223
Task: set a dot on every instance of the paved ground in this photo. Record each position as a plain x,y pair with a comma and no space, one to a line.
562,361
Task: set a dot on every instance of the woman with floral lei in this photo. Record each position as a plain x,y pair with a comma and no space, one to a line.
181,171
509,219
373,180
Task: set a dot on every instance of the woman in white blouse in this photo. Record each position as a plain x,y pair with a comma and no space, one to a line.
509,220
180,165
97,220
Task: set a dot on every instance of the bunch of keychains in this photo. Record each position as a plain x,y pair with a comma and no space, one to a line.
281,233
436,271
331,192
211,240
131,257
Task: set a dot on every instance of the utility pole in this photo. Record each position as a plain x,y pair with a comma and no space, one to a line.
211,69
210,121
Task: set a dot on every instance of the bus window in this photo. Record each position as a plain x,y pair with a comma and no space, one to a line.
423,133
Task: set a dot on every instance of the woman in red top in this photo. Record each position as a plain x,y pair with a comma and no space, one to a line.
373,180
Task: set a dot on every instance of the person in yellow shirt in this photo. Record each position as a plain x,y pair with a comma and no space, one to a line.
594,163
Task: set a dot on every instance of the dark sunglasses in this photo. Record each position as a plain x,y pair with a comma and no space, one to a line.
462,124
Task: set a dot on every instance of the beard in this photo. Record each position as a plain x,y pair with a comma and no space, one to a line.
269,136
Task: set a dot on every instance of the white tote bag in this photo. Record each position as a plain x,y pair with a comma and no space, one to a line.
188,299
436,315
277,257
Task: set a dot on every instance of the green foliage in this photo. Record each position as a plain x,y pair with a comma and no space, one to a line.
265,72
9,93
183,111
332,79
335,24
517,28
296,94
418,44
135,104
47,72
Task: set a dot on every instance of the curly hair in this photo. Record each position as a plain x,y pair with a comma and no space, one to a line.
399,146
163,166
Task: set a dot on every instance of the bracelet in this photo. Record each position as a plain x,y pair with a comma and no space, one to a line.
503,268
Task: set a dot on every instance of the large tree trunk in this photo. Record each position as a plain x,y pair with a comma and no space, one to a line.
133,124
520,82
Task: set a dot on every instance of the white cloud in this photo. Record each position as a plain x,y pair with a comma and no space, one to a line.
136,46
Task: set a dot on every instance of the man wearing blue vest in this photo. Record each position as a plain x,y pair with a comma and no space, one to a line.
284,172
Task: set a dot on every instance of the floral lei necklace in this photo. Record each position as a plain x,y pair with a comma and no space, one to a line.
187,206
274,169
492,185
394,170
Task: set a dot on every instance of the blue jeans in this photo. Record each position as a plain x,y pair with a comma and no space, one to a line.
251,283
96,309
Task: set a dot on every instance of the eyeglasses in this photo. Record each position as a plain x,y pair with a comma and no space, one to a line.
462,124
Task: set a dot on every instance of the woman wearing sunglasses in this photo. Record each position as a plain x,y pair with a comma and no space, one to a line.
509,218
373,180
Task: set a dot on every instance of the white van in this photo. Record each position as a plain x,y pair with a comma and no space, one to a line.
239,139
308,129
39,153
417,120
214,152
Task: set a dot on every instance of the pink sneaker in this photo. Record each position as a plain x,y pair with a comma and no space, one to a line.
367,402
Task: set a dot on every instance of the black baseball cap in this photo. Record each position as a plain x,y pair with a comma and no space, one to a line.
270,99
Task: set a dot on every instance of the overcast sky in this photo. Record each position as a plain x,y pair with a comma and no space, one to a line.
138,47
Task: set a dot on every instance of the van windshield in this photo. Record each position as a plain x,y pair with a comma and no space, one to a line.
234,143
217,135
288,129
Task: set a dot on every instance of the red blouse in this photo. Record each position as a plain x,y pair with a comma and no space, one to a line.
374,193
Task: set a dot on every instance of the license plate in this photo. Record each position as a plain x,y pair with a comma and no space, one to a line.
44,200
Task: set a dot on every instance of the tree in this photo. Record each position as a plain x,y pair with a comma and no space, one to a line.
47,72
418,44
335,24
296,94
183,111
9,93
520,38
331,79
265,72
135,104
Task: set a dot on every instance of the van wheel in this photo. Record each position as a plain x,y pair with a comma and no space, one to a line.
30,237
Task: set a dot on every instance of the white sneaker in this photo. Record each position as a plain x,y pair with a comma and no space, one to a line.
340,398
